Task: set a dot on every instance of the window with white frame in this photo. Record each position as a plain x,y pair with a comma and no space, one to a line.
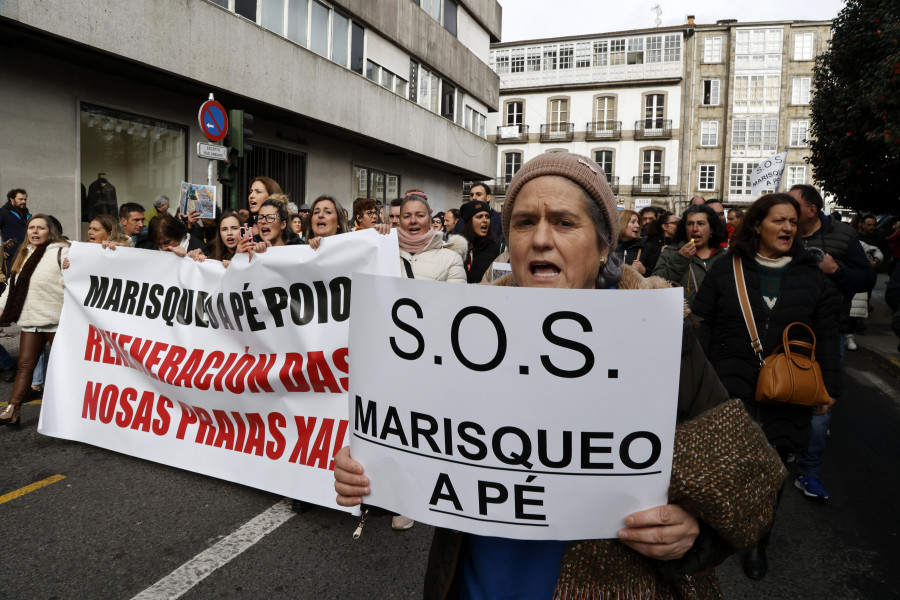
501,61
795,176
654,49
672,49
654,111
707,178
517,61
514,113
512,162
605,110
533,60
635,51
709,133
601,53
617,52
549,58
651,167
803,46
604,158
559,114
757,93
566,56
583,55
758,49
711,92
739,187
712,49
318,28
799,133
754,137
800,90
475,121
429,94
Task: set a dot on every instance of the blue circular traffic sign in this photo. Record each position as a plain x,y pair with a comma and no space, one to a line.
213,120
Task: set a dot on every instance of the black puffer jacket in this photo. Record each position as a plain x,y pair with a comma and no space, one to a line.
804,297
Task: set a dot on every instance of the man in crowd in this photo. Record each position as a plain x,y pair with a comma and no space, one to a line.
13,217
648,215
394,212
868,233
718,208
131,216
848,272
698,200
160,205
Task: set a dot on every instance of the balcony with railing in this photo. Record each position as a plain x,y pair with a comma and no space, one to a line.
653,129
558,132
650,184
510,134
613,181
603,130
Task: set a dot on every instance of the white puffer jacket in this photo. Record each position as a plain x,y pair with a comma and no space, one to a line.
439,261
45,292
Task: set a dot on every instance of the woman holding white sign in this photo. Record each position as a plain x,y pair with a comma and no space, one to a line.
34,300
562,224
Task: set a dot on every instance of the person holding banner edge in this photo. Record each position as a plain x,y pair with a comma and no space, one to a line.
561,223
34,300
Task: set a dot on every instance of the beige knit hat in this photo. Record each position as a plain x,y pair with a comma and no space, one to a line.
579,169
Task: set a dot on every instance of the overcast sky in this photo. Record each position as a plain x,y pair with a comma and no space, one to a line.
532,19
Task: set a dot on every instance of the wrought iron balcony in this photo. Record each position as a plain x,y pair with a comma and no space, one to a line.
650,184
500,184
613,181
558,132
508,134
653,129
603,130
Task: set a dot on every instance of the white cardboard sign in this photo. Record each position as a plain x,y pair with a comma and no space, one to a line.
237,373
511,412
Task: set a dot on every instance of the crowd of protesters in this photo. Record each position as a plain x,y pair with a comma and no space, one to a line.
560,227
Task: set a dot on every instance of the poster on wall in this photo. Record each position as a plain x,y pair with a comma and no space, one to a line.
197,197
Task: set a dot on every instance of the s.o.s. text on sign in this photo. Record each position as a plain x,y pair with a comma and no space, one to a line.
512,412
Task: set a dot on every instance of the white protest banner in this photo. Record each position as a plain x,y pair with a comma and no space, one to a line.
514,412
237,373
766,177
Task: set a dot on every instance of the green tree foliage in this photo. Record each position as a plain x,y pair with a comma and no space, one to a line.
855,113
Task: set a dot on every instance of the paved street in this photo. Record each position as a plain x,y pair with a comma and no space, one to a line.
115,525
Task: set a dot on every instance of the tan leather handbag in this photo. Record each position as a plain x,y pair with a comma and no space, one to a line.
785,376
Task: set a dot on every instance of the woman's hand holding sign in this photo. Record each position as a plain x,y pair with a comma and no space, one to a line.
664,533
349,482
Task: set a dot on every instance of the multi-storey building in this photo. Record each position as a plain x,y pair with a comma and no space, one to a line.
615,97
668,112
350,98
749,87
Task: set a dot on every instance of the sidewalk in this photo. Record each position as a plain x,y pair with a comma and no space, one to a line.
878,343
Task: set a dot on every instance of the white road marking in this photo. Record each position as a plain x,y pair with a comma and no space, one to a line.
182,579
869,378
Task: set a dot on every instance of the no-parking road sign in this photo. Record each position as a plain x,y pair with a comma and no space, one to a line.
213,120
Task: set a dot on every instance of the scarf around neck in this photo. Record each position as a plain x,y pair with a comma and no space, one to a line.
18,286
415,243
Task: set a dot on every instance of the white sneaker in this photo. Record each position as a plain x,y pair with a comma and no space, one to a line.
850,342
401,523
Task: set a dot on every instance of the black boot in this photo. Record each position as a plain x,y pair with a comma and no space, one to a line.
755,563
